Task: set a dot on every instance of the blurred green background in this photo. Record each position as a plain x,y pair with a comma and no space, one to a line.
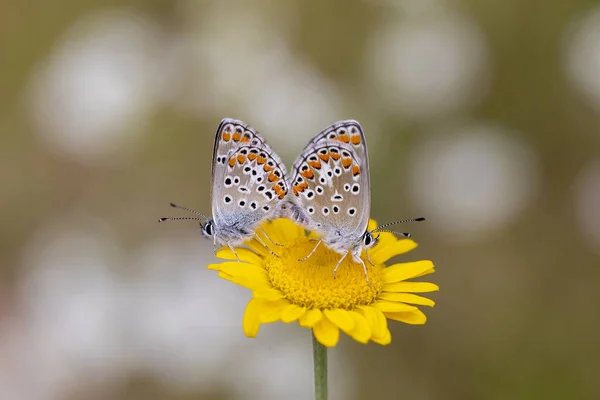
482,116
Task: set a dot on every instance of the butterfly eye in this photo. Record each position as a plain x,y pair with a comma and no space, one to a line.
208,228
367,239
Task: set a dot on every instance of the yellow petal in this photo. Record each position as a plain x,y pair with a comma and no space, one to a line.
407,298
245,255
427,272
389,306
243,269
372,224
311,318
292,313
225,276
326,333
340,318
244,281
385,339
361,332
257,247
383,251
403,271
272,310
375,320
243,274
268,294
410,287
414,317
251,320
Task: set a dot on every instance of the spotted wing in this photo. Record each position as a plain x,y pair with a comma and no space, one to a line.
231,135
331,193
252,187
347,131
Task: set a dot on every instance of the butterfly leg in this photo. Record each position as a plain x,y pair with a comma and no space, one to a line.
339,263
232,249
258,238
311,253
365,270
369,258
267,236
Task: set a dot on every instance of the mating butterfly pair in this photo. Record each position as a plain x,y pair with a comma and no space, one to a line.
328,191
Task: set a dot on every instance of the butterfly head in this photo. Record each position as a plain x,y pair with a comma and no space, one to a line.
369,240
208,229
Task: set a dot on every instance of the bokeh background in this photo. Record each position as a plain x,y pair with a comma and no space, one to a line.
482,116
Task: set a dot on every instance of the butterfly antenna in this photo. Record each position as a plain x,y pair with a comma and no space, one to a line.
188,209
380,229
405,234
163,219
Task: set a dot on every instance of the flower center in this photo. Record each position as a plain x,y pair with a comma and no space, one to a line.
311,284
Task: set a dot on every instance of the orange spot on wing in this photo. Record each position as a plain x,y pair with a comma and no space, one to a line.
335,156
245,139
241,158
268,168
346,162
299,188
237,136
252,156
279,191
355,170
232,161
344,138
356,139
307,174
324,157
273,177
315,164
261,160
226,136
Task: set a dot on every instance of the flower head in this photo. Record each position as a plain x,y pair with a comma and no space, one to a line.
288,290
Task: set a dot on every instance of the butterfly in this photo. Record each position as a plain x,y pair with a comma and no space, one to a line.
331,192
247,185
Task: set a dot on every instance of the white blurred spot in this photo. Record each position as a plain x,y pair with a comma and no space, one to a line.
587,202
472,180
244,67
71,302
90,98
582,56
428,65
185,321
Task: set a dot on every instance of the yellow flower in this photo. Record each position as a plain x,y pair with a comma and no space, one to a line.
288,290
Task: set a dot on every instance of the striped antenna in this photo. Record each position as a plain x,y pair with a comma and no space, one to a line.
184,218
381,228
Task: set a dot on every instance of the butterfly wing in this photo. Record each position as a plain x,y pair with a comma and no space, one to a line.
331,186
347,131
252,187
231,135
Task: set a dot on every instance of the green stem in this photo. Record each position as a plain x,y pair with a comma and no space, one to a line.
320,365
